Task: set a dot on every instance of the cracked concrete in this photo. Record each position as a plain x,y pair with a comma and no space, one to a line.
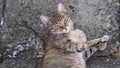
22,26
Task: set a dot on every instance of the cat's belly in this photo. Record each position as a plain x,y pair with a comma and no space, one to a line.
54,59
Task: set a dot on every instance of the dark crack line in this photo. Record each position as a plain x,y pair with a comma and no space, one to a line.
3,11
107,56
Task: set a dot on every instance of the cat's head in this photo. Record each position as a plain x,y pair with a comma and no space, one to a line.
59,22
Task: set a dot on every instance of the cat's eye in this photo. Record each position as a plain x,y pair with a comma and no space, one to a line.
61,27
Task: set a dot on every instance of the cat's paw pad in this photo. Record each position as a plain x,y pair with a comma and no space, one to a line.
105,38
103,46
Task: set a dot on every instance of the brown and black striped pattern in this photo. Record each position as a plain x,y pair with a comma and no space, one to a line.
68,47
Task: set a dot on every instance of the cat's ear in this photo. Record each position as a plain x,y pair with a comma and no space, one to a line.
61,8
44,19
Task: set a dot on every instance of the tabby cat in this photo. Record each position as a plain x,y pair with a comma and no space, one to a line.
67,47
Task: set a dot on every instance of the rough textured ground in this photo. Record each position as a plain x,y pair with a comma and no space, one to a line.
22,36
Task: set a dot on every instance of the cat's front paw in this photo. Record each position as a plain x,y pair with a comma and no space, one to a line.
105,38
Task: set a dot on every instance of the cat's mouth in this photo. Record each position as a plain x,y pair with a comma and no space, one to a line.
67,30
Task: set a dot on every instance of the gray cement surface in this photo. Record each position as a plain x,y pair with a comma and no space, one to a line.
22,36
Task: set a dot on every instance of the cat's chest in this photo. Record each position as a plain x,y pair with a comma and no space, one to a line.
60,39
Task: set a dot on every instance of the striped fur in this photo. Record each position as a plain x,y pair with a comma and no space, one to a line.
68,47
